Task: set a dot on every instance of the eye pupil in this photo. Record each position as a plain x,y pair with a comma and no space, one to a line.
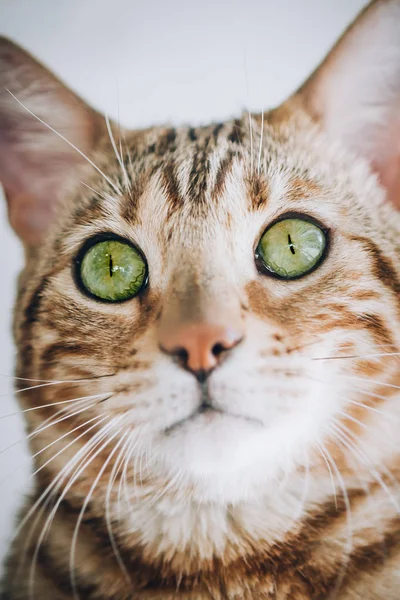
292,250
111,266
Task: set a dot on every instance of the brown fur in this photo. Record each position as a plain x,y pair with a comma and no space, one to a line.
196,203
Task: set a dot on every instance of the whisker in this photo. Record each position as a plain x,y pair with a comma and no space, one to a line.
305,345
48,384
322,452
44,426
119,157
68,486
374,381
53,488
349,521
93,190
99,419
85,505
373,409
261,142
43,406
355,356
114,473
20,465
251,143
123,481
173,482
354,420
350,444
79,380
62,137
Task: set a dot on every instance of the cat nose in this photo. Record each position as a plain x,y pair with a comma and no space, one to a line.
200,347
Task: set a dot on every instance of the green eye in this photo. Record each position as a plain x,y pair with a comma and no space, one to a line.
292,247
112,270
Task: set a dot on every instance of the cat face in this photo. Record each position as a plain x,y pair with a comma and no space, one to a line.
220,374
273,396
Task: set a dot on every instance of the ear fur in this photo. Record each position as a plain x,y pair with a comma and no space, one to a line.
36,165
355,93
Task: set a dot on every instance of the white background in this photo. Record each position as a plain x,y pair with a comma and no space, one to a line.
146,62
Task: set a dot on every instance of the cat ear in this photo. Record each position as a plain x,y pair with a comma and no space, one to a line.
355,93
36,164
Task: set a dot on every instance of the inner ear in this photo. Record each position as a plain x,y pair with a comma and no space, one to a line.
37,165
355,93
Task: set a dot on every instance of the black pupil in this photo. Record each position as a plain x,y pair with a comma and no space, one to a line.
291,245
110,264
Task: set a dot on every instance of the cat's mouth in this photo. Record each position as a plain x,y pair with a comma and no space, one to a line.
209,412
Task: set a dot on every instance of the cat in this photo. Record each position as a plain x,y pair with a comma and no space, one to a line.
208,333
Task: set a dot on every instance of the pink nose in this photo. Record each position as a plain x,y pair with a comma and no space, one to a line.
200,347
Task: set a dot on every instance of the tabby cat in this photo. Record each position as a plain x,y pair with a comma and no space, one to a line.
208,333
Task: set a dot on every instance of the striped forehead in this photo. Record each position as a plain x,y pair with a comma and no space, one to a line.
172,181
183,174
187,182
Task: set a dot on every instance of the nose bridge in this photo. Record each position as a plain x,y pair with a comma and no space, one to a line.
201,317
200,285
197,293
187,294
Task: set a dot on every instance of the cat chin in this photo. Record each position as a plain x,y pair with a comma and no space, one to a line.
228,459
217,456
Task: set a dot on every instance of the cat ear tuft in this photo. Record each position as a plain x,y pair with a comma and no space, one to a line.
36,165
355,93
